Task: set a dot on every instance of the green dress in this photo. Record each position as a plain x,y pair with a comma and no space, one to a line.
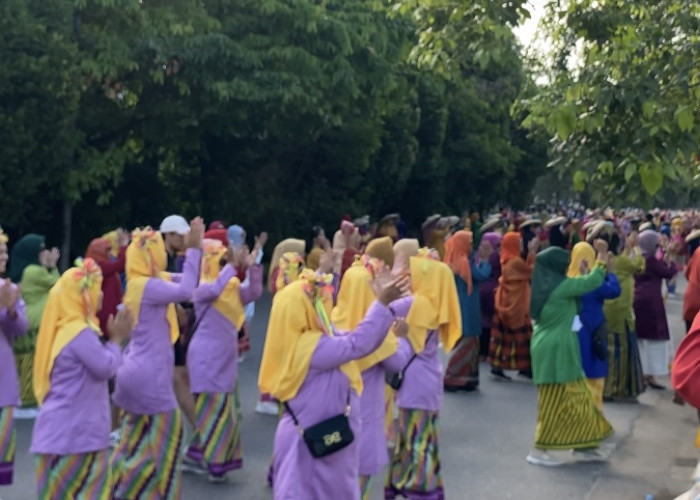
567,416
36,283
625,379
555,350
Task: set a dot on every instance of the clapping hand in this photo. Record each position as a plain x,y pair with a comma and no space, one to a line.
533,246
8,295
194,238
400,327
329,261
123,237
120,326
387,287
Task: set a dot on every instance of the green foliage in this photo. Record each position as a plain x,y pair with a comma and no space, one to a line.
277,114
622,101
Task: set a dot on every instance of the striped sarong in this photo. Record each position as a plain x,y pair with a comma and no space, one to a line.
145,464
84,476
389,415
567,417
25,372
414,470
510,347
365,487
625,380
596,386
8,442
463,367
216,440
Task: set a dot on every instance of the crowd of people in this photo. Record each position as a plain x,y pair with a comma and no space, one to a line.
140,342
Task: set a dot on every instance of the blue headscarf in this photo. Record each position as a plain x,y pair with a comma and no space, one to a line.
235,235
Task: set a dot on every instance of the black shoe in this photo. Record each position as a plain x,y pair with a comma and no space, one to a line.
471,387
451,388
499,375
525,373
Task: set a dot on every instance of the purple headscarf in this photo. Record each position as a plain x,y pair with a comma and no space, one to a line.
493,238
648,241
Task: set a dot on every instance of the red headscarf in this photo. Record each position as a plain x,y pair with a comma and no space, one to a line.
217,224
510,246
457,250
217,234
99,250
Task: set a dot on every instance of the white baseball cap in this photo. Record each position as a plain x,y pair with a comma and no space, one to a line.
174,224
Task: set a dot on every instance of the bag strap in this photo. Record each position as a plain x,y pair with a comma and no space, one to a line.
296,421
199,321
403,372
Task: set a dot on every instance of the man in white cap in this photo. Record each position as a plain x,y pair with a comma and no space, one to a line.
174,228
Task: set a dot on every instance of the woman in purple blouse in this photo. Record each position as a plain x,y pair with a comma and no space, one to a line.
71,370
13,323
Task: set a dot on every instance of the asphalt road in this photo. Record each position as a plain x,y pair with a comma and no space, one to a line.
484,437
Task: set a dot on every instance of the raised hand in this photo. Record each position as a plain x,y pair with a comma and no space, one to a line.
533,246
123,237
8,295
196,235
261,239
120,326
387,287
400,327
601,246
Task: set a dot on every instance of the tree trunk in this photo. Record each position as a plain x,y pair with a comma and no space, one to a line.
67,234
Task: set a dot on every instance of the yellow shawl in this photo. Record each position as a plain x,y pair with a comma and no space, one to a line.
582,251
435,303
229,302
70,308
298,319
146,259
289,245
354,299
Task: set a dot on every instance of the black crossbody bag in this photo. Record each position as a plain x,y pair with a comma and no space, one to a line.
395,380
327,436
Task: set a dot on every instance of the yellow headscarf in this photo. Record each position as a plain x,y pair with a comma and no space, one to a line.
70,308
382,249
354,298
229,302
435,302
408,247
298,318
113,243
582,251
289,245
146,258
291,265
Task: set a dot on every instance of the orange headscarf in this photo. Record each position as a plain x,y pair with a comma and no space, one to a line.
512,300
510,246
99,250
457,250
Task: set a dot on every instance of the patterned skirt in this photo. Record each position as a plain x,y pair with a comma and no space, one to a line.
414,470
145,464
389,415
25,371
510,347
216,440
567,417
625,379
463,367
84,476
8,441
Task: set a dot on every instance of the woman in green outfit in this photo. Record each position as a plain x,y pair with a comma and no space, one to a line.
625,380
567,417
34,268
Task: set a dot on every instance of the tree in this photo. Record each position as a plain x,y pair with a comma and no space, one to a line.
622,100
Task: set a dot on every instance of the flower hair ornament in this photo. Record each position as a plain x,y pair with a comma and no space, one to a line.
319,288
290,265
146,239
371,264
87,273
428,253
3,237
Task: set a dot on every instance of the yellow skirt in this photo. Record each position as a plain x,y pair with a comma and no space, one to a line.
567,417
